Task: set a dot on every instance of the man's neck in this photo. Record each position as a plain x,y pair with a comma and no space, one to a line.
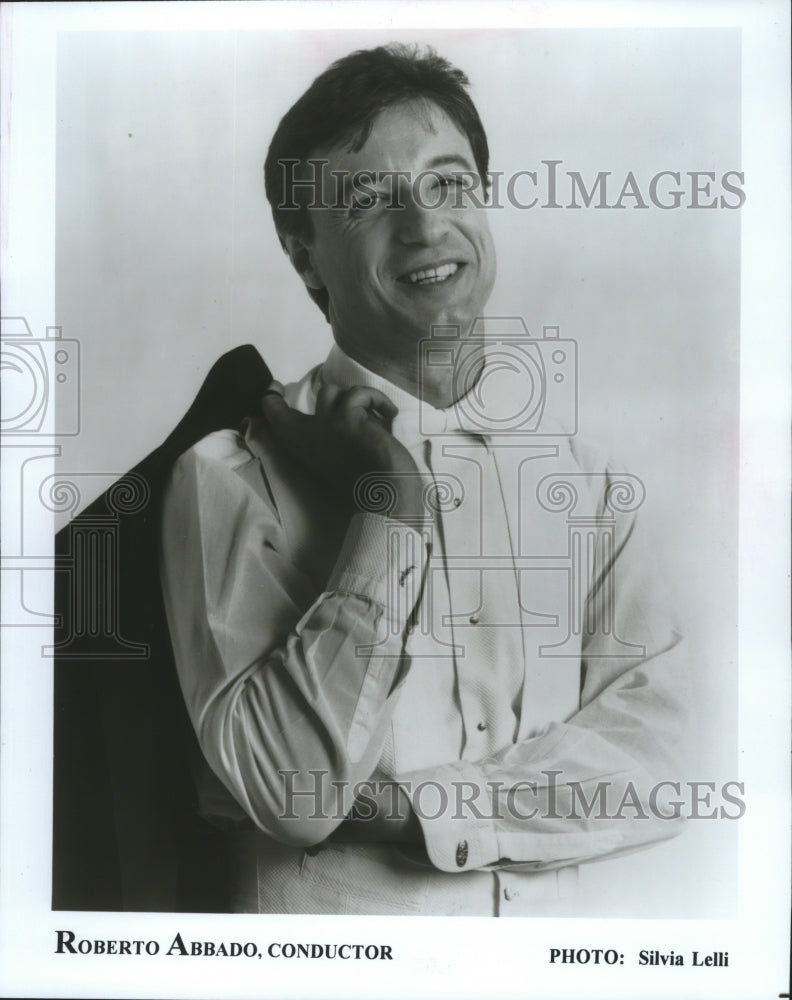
433,384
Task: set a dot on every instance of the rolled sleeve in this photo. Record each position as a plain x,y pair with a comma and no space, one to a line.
454,807
561,799
279,681
385,561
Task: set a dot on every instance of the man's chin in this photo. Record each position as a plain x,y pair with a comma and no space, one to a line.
454,322
440,324
461,315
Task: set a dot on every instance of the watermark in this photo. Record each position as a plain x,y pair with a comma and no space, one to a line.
549,797
312,184
505,382
36,372
40,404
537,519
516,391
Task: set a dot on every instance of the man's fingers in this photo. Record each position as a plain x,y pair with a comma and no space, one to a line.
372,399
326,397
291,426
361,397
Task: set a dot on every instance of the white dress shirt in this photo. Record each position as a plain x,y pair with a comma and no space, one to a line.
506,667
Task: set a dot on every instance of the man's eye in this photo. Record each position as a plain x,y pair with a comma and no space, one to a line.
448,180
363,202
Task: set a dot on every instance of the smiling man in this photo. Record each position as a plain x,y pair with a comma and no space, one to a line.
422,688
400,251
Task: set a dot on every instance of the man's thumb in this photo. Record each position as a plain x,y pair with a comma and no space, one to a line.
289,424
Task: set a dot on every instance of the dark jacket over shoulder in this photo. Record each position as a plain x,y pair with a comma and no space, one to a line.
126,831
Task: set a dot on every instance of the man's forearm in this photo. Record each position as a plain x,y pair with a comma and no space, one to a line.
278,690
382,812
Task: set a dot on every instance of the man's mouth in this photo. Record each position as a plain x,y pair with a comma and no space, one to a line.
430,275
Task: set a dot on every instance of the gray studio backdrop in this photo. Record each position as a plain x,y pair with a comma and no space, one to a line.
167,256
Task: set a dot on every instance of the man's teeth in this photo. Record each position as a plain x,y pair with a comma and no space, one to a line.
431,275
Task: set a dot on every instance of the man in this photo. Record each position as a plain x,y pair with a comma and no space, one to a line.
425,689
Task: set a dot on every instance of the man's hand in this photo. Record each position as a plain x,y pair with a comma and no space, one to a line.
382,814
348,438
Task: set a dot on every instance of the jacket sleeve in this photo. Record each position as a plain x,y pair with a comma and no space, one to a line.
289,692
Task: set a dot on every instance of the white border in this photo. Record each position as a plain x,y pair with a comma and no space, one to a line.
437,957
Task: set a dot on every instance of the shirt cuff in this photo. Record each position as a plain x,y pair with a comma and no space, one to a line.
384,560
453,805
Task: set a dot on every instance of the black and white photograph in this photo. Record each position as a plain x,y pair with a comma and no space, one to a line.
395,476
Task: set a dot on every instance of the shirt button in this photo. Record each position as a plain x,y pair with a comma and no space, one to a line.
474,619
462,853
481,726
457,501
508,895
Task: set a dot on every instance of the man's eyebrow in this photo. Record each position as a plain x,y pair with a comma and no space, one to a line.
449,160
344,181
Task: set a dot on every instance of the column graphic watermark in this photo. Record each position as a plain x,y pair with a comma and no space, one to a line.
500,465
40,405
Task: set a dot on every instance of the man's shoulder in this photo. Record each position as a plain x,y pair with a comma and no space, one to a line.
574,452
592,469
220,450
225,462
590,456
226,447
238,466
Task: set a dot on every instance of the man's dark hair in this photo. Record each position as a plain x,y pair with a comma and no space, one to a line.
340,107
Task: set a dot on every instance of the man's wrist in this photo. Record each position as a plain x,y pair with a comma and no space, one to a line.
396,494
383,812
383,560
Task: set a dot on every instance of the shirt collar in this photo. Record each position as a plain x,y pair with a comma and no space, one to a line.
481,412
415,420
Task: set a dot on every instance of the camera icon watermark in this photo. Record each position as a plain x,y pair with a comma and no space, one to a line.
505,382
36,373
513,504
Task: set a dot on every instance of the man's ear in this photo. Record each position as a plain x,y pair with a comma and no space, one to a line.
301,256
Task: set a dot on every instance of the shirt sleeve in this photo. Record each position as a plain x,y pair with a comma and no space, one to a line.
603,782
289,693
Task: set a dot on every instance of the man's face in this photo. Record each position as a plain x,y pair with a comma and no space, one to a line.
369,255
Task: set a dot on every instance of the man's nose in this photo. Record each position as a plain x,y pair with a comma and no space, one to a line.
418,221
